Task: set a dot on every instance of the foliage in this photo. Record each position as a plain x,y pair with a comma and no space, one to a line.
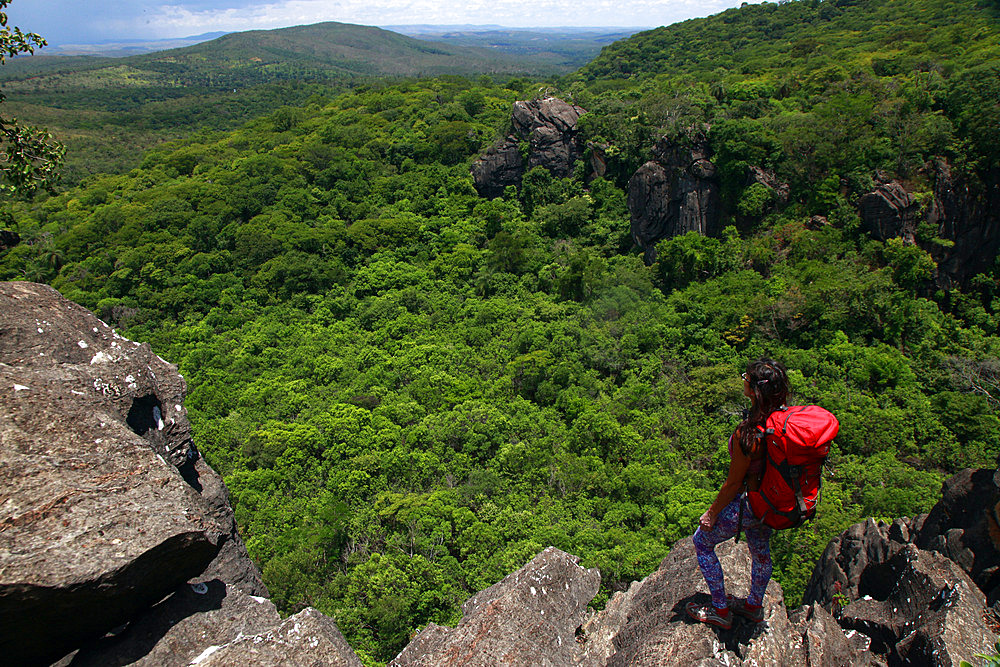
29,156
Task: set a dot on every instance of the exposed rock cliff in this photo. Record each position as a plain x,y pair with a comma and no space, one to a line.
676,193
548,127
909,586
107,507
960,213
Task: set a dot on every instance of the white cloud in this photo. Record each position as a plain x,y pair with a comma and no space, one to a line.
180,19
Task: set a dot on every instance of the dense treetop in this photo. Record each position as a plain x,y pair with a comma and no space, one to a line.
411,390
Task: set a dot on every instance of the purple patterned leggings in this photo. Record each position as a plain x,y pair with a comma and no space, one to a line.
758,538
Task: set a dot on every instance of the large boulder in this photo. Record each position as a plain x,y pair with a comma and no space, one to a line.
196,620
529,618
916,606
921,608
889,211
500,166
676,193
97,519
965,526
548,127
837,576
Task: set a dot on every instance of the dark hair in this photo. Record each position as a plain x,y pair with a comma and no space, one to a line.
769,386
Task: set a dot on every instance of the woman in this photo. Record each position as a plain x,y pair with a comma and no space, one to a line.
765,383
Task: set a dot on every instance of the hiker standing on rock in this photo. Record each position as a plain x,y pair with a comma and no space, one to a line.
765,383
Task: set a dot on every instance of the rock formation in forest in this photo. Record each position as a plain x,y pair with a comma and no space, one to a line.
675,193
961,215
547,129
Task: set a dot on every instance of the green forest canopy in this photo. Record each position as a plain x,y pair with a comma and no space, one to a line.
411,390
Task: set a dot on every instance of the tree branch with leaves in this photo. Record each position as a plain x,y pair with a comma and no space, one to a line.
29,157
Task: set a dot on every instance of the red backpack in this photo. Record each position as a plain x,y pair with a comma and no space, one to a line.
798,440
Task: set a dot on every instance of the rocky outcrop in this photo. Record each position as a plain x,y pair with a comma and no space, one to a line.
920,608
191,622
528,618
676,193
963,214
969,216
307,638
965,527
909,586
548,128
500,166
647,624
846,559
107,507
8,239
889,212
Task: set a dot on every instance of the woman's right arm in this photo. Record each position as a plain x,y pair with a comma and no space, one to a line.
738,464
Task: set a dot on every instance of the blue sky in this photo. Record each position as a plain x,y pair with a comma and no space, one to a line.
88,21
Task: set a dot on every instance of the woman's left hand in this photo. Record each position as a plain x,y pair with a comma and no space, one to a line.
707,520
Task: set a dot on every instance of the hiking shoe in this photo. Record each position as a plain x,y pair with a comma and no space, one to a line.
739,606
706,613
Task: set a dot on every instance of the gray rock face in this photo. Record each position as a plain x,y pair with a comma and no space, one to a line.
845,560
96,520
674,194
965,527
528,618
233,564
307,638
192,621
917,606
498,168
968,216
889,212
963,213
548,126
921,608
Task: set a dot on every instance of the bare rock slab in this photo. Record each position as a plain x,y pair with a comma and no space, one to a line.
307,638
647,625
96,522
194,619
528,618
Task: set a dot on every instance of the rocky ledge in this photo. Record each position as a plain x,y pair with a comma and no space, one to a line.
118,547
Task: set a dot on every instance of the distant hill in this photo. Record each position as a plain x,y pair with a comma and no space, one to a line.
109,110
891,36
327,52
571,46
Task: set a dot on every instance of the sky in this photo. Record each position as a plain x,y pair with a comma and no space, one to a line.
90,21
